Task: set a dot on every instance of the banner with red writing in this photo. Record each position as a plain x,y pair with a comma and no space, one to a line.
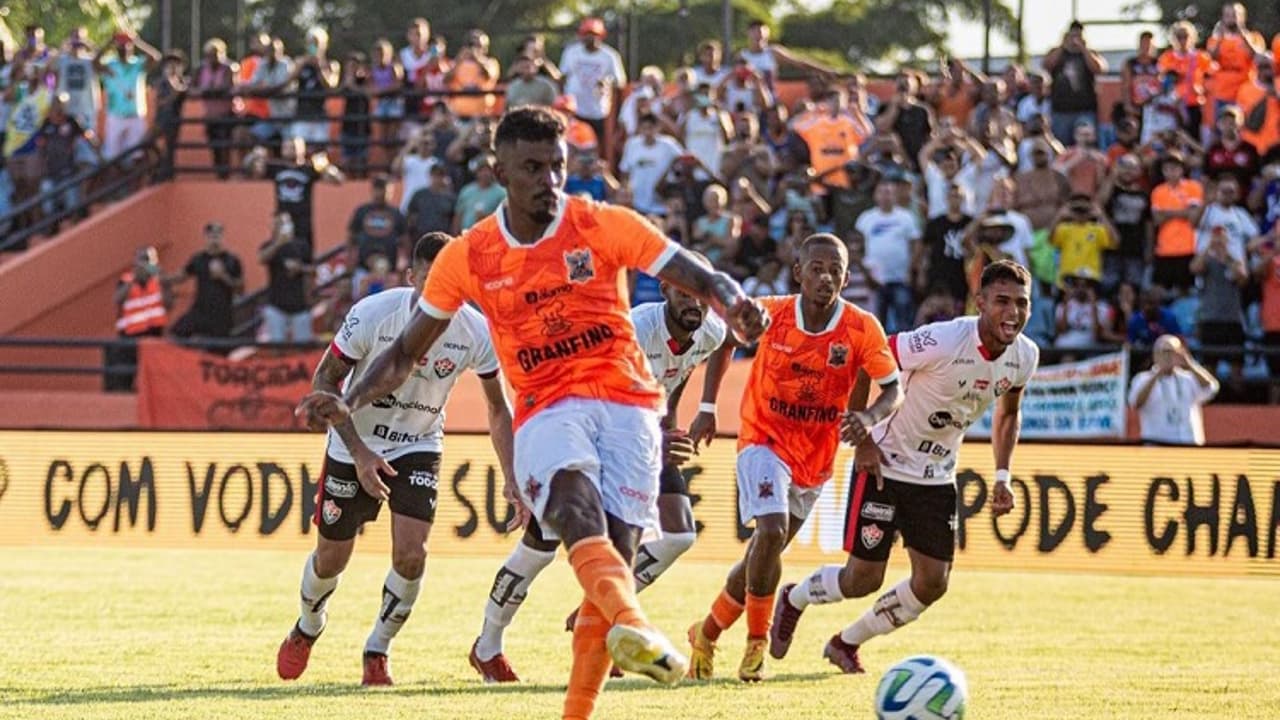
184,389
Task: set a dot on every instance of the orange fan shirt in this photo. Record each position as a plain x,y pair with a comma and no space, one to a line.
558,309
1176,237
1191,67
832,142
1235,64
800,383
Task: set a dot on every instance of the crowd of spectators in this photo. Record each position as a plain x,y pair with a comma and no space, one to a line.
1156,215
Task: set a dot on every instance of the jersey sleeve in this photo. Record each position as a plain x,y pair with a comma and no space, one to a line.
875,356
1029,368
353,340
633,242
921,348
446,287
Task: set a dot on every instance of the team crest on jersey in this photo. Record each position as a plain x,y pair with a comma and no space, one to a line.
981,384
330,512
765,489
1003,386
871,535
838,355
581,267
532,489
444,367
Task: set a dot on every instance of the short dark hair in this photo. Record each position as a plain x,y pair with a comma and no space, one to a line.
647,118
1005,270
826,239
429,246
530,123
381,180
755,24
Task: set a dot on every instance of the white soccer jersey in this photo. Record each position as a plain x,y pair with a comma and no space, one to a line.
654,338
948,383
411,419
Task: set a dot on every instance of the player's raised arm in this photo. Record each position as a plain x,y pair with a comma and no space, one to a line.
746,317
1006,424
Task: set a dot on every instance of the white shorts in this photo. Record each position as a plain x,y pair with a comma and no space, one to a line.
764,486
120,134
313,132
617,447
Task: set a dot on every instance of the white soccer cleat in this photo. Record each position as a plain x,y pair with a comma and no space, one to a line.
646,651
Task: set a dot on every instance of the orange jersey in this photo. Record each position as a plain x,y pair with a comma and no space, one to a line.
800,384
832,142
1191,67
558,309
1235,64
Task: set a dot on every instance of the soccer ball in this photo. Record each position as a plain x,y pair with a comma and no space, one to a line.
922,688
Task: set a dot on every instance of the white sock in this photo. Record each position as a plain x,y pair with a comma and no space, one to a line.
891,611
510,587
398,595
820,588
653,558
315,592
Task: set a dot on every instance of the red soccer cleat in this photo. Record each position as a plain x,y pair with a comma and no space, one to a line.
494,670
785,617
377,670
843,655
295,651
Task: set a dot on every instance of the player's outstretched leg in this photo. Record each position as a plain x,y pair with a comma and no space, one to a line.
510,588
901,605
827,584
399,592
675,514
319,579
590,662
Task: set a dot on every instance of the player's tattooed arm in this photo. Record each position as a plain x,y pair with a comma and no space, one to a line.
745,316
392,366
328,377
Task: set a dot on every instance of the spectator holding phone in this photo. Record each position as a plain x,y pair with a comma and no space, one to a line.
1082,233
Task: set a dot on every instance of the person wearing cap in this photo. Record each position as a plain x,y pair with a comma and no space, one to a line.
219,277
142,301
1231,155
1176,205
1168,397
480,197
1082,232
593,72
125,79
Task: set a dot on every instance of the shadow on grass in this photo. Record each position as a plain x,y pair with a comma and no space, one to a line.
247,690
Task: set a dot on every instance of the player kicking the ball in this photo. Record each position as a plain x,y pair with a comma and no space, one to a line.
953,372
547,271
794,414
675,336
389,452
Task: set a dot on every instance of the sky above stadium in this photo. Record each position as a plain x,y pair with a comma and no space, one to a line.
1051,20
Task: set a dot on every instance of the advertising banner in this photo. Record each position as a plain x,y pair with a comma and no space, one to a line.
1076,400
1145,510
184,389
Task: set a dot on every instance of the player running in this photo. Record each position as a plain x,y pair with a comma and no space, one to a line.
389,451
953,372
794,414
547,272
675,335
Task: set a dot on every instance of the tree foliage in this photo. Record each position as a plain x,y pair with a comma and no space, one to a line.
1263,17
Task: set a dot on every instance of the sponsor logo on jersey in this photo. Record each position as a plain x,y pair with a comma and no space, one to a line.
804,371
871,535
444,367
533,297
580,264
671,372
386,338
391,402
963,361
838,355
395,436
804,413
963,383
499,283
339,488
553,320
531,357
349,327
634,494
921,340
981,384
877,511
939,420
330,512
780,347
456,346
1003,386
423,478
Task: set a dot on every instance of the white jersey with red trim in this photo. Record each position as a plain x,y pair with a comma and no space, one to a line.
948,383
411,419
671,368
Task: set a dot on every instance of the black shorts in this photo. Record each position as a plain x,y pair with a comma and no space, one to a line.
1173,272
343,506
671,481
924,514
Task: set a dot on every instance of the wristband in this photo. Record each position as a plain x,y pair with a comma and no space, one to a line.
707,407
1002,476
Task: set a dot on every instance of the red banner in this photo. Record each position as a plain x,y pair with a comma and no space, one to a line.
184,389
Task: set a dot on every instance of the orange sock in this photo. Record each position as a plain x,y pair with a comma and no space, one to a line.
607,581
725,611
590,663
759,615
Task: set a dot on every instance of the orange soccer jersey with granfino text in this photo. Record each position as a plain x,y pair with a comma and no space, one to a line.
800,384
557,309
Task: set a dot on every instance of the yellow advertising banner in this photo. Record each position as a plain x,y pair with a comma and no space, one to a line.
1090,508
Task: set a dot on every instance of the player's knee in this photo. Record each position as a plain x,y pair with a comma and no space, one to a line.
856,585
680,542
929,587
770,535
410,561
331,559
